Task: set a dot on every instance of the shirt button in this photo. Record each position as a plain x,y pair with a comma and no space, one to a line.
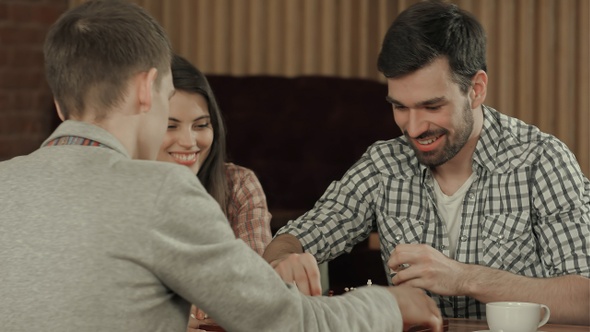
459,316
463,238
471,195
398,237
442,247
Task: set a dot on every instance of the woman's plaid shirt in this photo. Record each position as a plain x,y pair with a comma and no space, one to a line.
247,210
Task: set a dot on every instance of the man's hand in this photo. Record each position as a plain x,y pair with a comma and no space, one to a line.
285,254
301,270
421,266
417,308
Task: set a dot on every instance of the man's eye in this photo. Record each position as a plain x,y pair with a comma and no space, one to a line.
399,108
433,108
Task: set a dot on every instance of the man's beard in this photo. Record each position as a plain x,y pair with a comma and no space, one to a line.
436,158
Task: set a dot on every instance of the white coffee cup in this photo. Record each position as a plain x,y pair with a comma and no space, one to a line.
516,316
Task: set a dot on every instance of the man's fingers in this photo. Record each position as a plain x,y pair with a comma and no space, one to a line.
404,274
312,272
306,274
302,270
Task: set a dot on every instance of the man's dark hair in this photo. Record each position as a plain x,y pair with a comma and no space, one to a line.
429,30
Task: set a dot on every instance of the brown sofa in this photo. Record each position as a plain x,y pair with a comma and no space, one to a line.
300,134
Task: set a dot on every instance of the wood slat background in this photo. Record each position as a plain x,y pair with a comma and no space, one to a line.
538,50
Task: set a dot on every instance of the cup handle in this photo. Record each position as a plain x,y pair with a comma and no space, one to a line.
546,317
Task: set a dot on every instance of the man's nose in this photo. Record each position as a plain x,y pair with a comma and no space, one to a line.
416,124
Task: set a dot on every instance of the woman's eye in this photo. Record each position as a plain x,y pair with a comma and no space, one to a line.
171,126
202,125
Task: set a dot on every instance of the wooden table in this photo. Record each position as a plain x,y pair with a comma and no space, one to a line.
469,325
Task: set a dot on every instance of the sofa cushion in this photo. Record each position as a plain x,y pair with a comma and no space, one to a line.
300,134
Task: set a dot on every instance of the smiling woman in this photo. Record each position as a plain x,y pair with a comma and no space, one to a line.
190,133
196,138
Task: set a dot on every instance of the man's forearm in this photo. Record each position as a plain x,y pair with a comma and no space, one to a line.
282,245
568,297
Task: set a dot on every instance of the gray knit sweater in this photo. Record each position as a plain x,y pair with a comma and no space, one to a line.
91,240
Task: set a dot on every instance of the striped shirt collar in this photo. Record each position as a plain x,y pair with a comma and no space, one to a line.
84,130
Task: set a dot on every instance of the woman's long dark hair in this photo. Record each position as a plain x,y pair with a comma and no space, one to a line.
188,78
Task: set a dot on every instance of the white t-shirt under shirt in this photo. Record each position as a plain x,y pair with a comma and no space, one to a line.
449,209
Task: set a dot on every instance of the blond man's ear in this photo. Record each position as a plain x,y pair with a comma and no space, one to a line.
59,112
145,83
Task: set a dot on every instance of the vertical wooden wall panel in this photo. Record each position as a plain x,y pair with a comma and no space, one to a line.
310,36
564,65
581,122
255,39
292,32
198,34
538,57
220,39
328,43
275,48
238,36
524,63
485,11
505,54
364,49
545,65
344,36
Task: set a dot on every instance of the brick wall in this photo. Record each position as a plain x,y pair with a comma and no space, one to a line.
26,107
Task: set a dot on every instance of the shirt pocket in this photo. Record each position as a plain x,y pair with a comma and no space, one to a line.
396,230
508,242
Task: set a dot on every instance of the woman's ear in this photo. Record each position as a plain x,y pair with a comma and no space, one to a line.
479,89
146,81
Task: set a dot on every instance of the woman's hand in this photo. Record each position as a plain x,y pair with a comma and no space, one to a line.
196,318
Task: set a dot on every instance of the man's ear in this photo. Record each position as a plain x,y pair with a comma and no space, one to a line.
59,112
480,88
146,81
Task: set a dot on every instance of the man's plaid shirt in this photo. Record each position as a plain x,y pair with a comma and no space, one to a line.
527,211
